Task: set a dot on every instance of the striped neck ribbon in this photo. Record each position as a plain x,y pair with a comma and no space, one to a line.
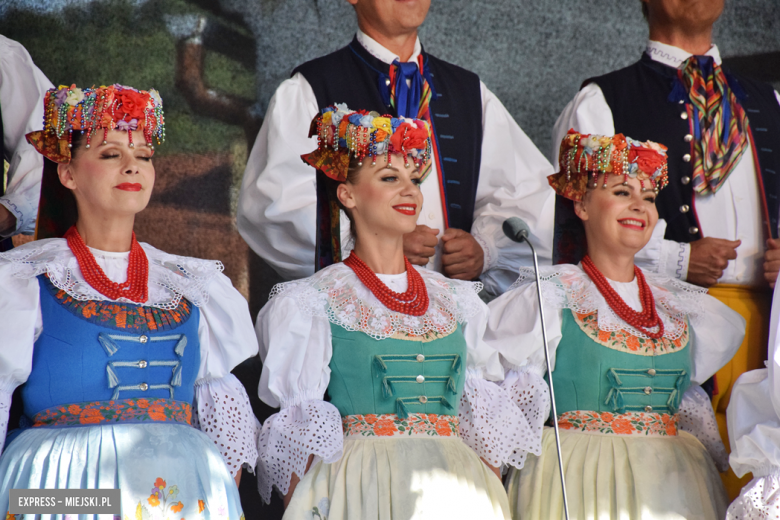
719,124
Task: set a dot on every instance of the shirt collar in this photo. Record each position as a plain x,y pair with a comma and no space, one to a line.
382,54
674,56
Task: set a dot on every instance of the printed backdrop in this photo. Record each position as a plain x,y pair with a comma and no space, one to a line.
216,64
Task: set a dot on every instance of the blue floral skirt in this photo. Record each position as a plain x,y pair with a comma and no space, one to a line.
163,470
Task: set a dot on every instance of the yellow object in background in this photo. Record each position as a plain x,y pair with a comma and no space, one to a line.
753,304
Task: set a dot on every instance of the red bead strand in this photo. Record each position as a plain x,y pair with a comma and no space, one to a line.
641,321
135,289
413,302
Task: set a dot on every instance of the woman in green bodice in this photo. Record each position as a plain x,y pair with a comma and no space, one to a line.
628,350
414,425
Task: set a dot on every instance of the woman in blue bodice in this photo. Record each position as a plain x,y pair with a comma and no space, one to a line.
628,349
124,351
398,350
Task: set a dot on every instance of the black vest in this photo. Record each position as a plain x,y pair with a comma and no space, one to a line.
353,76
639,99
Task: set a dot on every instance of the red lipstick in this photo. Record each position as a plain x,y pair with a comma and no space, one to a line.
633,223
129,186
406,209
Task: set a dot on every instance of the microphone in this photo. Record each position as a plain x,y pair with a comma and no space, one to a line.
518,231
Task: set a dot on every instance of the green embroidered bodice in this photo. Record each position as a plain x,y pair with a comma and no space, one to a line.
395,375
618,372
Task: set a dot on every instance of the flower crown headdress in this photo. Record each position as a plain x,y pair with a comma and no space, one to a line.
343,134
116,107
583,157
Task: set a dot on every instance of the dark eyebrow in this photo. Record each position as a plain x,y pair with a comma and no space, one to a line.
628,186
118,143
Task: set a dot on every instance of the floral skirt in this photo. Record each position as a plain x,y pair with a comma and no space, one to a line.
400,478
162,470
621,477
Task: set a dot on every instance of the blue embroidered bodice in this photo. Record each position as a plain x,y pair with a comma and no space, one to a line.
102,351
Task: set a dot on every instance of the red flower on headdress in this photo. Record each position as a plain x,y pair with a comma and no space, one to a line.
648,160
619,142
132,104
407,138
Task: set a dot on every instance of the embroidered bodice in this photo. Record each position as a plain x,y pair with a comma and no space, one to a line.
613,373
396,376
103,351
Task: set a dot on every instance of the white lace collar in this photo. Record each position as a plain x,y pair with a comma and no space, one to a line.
337,294
567,286
171,277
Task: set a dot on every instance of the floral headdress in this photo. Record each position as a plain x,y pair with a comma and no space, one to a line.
71,109
583,157
343,133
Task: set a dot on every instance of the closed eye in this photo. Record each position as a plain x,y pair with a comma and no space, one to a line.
622,193
109,156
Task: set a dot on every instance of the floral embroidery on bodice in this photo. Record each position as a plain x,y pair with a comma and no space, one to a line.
624,341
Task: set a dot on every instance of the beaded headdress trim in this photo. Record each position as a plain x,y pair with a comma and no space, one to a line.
343,133
116,107
583,157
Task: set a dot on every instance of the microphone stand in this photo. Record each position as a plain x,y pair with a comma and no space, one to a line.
524,235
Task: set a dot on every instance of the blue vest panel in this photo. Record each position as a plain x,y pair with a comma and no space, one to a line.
101,351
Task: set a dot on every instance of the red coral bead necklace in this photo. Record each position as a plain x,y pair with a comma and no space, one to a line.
135,289
641,321
413,302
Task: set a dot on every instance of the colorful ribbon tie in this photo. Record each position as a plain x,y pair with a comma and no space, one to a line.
718,123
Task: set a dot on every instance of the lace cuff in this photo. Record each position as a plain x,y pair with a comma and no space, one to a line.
490,257
290,436
698,418
5,410
224,414
760,499
493,426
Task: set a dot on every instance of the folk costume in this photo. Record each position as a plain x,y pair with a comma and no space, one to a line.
484,167
125,358
412,406
626,358
721,174
754,431
22,88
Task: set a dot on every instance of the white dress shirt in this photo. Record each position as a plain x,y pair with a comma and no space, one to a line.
733,213
277,204
22,88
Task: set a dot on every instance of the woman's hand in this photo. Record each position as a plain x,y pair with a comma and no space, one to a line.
294,482
238,477
494,469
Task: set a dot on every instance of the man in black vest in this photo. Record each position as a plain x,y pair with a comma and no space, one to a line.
720,211
22,88
485,171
